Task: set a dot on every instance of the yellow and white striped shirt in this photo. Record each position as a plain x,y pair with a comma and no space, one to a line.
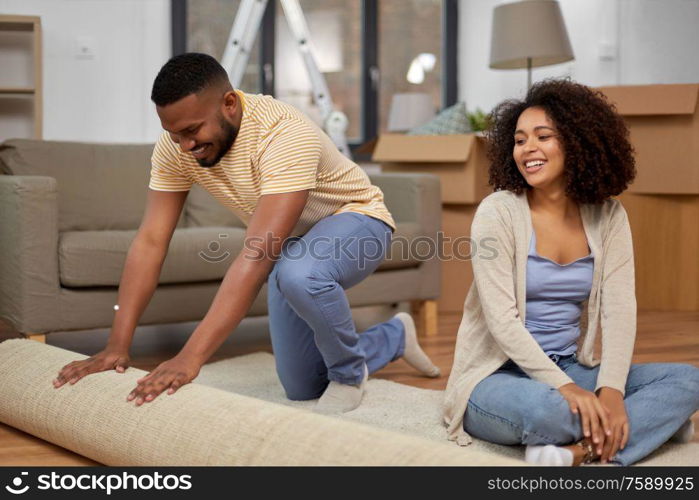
278,150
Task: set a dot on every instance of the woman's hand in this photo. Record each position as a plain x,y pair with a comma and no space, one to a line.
108,359
613,401
594,417
171,375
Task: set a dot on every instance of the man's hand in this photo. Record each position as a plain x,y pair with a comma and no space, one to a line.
171,375
613,401
108,359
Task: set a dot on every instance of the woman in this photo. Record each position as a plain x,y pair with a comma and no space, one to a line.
556,264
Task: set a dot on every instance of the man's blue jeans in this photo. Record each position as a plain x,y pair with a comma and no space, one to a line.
508,407
313,336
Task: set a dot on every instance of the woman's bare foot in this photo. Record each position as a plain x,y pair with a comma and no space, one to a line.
579,452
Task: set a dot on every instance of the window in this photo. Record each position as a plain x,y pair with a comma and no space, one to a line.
410,53
367,50
335,29
209,24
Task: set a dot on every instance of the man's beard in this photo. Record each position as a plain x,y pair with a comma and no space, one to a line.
229,132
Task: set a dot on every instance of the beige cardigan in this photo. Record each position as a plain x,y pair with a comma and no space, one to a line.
492,330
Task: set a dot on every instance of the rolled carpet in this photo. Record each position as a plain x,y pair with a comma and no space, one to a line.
198,425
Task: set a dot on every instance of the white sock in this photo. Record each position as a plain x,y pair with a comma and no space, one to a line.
341,398
413,354
548,455
684,434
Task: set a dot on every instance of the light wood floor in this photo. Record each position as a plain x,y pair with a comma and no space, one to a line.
661,337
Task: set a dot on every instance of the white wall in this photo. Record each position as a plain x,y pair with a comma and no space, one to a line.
105,98
653,41
660,41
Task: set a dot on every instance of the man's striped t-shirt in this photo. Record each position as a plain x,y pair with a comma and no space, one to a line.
278,150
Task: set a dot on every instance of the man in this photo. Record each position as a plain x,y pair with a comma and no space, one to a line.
283,177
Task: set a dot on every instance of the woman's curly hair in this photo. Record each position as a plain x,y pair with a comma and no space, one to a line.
599,159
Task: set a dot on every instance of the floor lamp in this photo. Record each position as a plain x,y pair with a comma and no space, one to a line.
528,34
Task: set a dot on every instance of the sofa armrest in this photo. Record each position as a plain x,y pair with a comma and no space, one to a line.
417,198
30,284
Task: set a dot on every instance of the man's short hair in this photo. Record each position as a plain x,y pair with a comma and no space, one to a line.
187,74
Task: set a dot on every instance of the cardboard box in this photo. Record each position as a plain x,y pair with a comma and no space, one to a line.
462,166
664,124
666,245
459,160
457,273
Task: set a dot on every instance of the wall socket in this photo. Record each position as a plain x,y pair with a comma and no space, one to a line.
85,47
607,51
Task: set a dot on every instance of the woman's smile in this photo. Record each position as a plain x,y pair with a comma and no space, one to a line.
533,166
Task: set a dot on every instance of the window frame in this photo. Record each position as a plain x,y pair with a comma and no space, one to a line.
370,58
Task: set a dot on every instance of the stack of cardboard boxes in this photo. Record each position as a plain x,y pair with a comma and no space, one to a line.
663,201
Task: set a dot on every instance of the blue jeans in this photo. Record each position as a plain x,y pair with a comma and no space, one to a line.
313,336
508,407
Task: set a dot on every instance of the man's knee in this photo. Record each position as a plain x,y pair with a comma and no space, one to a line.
302,388
296,278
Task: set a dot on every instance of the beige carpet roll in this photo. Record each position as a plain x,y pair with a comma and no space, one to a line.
198,425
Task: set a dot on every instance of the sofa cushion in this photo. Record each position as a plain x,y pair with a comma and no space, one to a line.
96,258
402,253
196,254
100,186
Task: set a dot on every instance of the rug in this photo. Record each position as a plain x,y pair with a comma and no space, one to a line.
198,425
388,405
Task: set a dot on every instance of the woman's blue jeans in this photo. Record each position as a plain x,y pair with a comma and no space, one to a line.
313,335
508,407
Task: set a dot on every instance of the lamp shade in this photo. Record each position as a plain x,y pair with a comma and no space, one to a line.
409,110
529,29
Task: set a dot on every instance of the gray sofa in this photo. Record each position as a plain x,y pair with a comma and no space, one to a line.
68,212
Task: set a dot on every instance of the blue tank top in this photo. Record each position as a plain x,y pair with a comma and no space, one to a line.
555,296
